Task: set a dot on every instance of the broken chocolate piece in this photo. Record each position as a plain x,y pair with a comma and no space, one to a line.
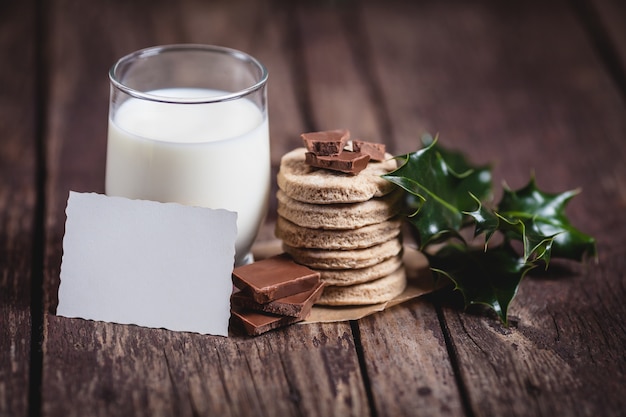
348,162
376,151
256,323
329,142
297,305
273,278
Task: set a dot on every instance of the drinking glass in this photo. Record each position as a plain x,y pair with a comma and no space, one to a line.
188,124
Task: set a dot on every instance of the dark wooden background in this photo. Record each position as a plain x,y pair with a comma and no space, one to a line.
534,86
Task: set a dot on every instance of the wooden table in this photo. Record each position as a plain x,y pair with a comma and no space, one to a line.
533,86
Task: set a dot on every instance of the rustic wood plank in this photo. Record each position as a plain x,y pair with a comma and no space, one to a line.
126,370
563,354
18,199
404,352
339,89
451,78
407,362
611,15
506,83
77,116
107,369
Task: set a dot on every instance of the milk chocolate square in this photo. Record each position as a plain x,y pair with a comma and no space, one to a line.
329,142
376,151
256,323
347,162
297,305
273,278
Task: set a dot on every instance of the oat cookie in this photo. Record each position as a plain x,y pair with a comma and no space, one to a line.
344,259
372,292
312,185
339,216
343,277
362,237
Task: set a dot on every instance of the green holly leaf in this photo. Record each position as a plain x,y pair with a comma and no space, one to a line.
489,278
443,191
536,245
486,220
545,224
440,184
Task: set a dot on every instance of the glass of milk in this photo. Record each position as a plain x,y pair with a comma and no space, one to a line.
188,124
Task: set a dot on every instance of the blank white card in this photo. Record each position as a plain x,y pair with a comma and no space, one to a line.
160,265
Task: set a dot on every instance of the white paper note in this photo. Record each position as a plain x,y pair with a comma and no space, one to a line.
147,263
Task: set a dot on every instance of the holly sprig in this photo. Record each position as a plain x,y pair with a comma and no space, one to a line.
445,193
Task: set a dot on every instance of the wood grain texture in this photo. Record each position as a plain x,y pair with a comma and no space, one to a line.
106,369
503,83
611,16
17,202
520,84
339,90
93,368
404,353
561,356
407,363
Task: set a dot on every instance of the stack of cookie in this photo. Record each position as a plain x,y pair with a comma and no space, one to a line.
341,223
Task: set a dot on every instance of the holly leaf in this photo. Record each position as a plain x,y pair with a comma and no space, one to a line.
443,190
440,184
489,278
485,220
544,223
536,245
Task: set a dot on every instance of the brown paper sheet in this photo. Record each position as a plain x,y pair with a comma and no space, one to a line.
420,282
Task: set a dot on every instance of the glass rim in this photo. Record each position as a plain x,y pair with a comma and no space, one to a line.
157,50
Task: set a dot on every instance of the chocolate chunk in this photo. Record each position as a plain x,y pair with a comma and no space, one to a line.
297,305
256,323
376,151
273,278
329,142
348,162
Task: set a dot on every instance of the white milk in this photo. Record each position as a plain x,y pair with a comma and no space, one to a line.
210,155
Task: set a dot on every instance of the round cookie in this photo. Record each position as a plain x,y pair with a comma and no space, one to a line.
304,183
362,237
372,292
344,259
339,216
343,277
